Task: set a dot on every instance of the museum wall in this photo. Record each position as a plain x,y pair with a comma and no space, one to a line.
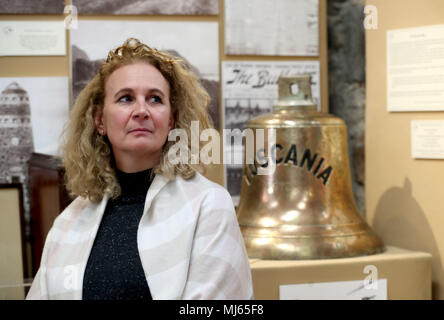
403,194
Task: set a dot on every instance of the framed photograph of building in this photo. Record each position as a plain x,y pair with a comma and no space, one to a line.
33,111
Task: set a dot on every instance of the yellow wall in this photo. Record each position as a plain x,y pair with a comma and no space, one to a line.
403,195
59,66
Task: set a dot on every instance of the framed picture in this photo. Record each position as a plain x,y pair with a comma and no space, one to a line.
13,261
136,7
32,6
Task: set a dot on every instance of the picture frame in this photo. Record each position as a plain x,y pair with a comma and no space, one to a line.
13,257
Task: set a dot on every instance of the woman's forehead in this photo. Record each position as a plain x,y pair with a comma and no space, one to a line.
137,75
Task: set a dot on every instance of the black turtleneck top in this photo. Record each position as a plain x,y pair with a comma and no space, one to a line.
114,270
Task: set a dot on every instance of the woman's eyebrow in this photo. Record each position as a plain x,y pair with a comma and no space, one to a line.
123,90
157,90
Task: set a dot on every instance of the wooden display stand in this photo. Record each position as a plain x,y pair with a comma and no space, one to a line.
408,273
48,199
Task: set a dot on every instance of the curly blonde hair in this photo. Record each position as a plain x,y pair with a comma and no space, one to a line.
87,156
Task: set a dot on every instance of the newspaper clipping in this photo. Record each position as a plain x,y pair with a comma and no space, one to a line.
279,27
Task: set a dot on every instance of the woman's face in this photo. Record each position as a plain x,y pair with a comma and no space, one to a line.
136,115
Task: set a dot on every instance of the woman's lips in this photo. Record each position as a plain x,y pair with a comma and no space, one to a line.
137,130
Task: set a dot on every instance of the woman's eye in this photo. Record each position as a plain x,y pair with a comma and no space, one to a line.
125,98
155,99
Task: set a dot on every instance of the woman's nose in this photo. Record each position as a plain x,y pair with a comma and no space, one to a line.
141,109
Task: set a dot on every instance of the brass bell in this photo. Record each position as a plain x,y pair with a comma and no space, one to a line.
305,209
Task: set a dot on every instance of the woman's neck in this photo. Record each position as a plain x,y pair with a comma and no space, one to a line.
133,185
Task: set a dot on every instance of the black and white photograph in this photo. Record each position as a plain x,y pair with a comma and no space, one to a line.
249,89
194,42
15,132
152,7
291,27
36,108
32,6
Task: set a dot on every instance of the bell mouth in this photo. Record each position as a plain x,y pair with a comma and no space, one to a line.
306,246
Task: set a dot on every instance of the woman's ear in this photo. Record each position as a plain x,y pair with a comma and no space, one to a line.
172,121
98,119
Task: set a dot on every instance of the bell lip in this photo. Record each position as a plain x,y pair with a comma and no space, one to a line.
364,253
363,245
292,231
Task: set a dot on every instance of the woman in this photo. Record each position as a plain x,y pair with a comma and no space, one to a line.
140,227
